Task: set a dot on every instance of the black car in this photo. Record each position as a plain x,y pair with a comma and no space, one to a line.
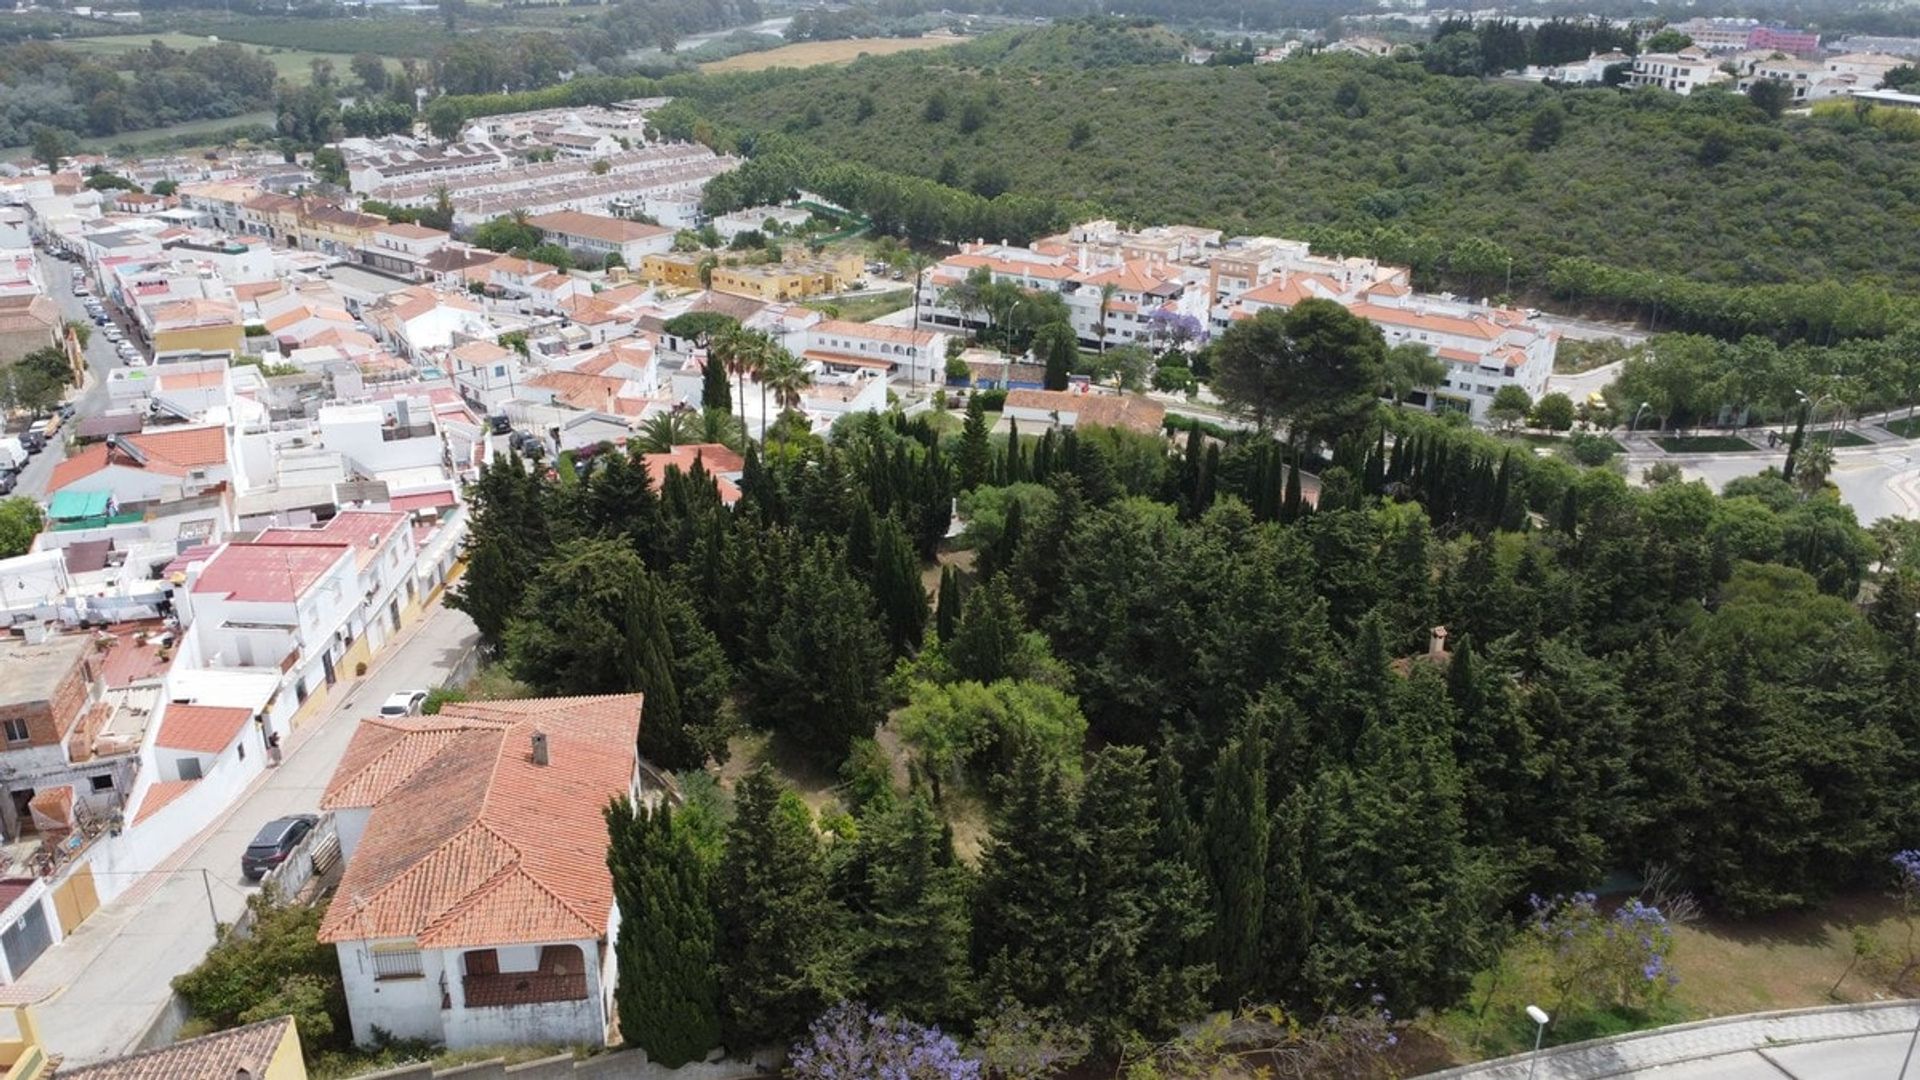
34,442
8,478
274,842
500,424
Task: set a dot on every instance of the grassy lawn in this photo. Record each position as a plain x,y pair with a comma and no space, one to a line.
1906,427
863,308
1704,444
1846,438
145,136
810,53
291,64
1726,968
1575,356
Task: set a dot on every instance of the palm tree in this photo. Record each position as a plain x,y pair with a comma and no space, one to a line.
743,353
789,377
664,431
719,426
1106,298
1412,366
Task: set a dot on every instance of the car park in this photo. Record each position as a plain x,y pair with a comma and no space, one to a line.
274,842
404,703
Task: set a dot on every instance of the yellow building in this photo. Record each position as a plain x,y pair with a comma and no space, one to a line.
794,280
325,227
20,1052
680,269
268,1050
198,324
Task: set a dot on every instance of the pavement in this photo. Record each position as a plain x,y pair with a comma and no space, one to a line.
97,992
92,398
1849,1042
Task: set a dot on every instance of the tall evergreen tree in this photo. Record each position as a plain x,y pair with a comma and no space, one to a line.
897,588
779,958
1237,824
508,533
1027,919
1293,504
666,996
664,739
820,679
976,454
1016,460
715,392
948,618
987,639
913,934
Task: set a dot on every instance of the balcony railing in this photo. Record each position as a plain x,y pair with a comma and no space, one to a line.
521,988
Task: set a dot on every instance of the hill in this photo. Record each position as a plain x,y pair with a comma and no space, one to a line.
1434,171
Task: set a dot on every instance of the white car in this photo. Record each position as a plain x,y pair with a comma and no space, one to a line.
404,703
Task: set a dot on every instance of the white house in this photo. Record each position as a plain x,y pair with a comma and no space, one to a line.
274,606
601,235
915,355
476,908
148,467
1868,69
1591,70
1682,72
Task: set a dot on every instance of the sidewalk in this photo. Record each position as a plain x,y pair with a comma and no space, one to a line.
1841,1041
101,988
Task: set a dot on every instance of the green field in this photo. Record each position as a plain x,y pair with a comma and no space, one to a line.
144,137
294,64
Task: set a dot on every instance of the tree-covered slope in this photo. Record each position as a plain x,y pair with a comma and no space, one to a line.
1333,146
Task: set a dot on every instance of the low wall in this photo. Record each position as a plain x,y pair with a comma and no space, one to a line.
624,1065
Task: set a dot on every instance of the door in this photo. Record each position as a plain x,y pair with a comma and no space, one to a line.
26,939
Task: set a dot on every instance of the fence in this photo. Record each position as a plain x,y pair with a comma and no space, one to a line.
622,1065
315,856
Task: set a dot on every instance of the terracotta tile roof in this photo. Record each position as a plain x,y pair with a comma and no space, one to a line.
160,794
223,1055
580,391
203,729
1134,276
182,314
19,314
193,380
1439,324
409,230
182,448
713,458
899,335
480,353
611,230
78,467
469,843
1105,410
1047,271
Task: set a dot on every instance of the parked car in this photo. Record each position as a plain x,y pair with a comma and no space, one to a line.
404,703
81,290
8,478
274,842
500,424
33,441
114,335
67,410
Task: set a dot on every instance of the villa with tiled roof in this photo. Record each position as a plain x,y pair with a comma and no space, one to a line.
476,908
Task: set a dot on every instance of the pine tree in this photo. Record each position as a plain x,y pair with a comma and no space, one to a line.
976,455
896,587
667,997
948,618
1000,554
508,534
664,739
1568,520
987,639
860,539
913,932
1027,923
779,961
1237,824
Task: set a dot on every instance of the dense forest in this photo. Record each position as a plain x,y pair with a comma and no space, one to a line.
1434,171
41,84
1320,802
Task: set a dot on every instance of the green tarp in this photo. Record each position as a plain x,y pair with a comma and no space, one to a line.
78,504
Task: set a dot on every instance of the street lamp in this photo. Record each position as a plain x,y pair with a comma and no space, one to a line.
1635,422
1539,1016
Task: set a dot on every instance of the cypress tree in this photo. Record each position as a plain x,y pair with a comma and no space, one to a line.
976,456
987,638
861,543
1209,479
779,963
1043,458
667,996
1287,928
1376,474
999,555
715,392
1294,503
1502,492
1568,520
1016,462
1027,924
897,588
947,620
913,932
1237,824
664,739
820,676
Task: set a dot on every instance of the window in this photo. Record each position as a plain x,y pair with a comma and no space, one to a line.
16,731
396,962
102,783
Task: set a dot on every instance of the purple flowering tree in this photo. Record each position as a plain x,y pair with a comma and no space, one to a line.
1906,889
852,1042
1601,959
1173,329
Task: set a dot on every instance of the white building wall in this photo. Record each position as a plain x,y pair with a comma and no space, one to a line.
406,1008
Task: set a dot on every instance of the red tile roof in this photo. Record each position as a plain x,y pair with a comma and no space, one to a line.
202,729
241,1051
159,795
470,843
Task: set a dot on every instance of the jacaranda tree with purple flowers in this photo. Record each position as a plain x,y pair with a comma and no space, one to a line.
1906,889
1600,959
853,1042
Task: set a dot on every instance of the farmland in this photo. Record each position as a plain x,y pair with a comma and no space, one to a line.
812,53
293,64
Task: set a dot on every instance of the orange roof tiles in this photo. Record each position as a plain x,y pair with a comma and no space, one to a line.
1439,324
470,843
611,230
159,795
180,449
1105,410
78,467
203,729
241,1051
899,335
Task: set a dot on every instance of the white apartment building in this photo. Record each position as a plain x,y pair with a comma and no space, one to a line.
601,235
1867,69
1680,73
1808,79
915,355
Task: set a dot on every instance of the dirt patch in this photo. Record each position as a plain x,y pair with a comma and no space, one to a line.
811,53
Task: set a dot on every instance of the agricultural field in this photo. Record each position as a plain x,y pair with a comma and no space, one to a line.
812,53
385,35
293,64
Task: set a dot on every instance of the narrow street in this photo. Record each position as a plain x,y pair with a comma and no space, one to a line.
92,400
100,989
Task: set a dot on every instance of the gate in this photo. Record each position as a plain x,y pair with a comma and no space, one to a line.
26,939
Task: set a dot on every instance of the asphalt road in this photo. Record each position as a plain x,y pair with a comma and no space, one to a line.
110,978
92,399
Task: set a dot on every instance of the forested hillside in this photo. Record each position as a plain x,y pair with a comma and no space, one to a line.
1436,171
